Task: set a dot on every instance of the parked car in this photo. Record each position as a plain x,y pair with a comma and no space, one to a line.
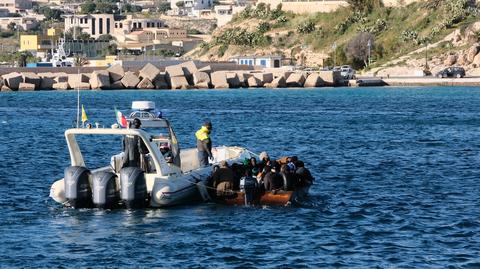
452,72
347,72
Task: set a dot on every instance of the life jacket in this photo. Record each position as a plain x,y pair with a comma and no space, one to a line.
202,133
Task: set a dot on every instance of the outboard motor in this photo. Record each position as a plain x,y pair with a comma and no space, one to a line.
134,187
249,186
77,187
105,194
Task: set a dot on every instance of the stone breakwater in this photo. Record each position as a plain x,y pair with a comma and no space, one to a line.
181,76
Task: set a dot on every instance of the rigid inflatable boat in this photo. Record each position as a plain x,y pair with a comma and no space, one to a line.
162,181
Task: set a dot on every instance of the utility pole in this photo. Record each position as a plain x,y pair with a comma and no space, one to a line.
369,46
426,56
334,47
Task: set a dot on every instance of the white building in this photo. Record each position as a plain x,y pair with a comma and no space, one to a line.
271,61
93,24
131,24
190,7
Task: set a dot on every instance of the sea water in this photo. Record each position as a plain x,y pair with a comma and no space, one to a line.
396,181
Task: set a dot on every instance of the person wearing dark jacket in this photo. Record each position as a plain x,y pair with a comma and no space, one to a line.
134,148
204,144
272,180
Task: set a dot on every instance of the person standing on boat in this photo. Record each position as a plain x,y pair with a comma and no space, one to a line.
204,144
134,148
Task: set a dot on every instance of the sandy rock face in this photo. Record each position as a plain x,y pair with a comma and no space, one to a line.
450,60
472,52
476,61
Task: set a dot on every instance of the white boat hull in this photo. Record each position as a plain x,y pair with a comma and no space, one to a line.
178,189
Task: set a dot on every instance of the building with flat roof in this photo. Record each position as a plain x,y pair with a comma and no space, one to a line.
131,24
15,6
24,24
268,61
93,24
189,7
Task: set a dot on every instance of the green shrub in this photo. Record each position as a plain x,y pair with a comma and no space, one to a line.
306,27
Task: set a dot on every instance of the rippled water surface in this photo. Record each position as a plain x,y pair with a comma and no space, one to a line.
397,182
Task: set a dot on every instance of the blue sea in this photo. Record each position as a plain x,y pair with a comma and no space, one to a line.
397,182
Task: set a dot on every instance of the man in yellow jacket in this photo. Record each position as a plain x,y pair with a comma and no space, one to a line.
204,143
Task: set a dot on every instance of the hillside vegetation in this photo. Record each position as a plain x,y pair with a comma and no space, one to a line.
343,35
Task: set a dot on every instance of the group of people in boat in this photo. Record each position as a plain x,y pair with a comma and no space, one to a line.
263,175
286,173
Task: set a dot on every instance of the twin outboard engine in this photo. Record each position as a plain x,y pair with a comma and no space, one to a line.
134,187
105,193
77,187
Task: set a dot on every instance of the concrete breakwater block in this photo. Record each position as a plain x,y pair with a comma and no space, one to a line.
313,80
279,82
189,68
26,87
174,71
5,88
264,77
233,80
116,72
100,79
48,79
76,81
201,80
117,85
81,86
179,83
330,78
207,69
145,84
130,80
12,80
149,71
61,77
219,80
161,82
296,80
254,82
32,78
61,86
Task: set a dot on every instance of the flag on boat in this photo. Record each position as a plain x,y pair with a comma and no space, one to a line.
84,115
121,120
